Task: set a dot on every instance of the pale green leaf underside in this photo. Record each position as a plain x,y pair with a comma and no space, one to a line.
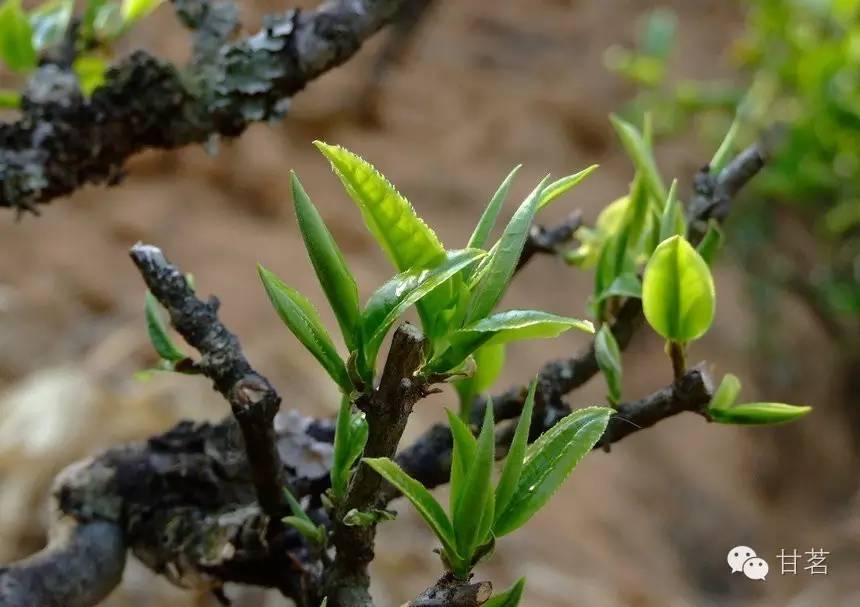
549,461
678,295
727,393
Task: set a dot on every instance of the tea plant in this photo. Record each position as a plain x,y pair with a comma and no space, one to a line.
645,253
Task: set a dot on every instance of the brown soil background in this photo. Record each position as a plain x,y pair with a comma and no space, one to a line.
485,86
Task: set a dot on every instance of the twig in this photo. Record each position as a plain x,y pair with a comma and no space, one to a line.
548,240
387,410
252,398
61,143
81,565
451,592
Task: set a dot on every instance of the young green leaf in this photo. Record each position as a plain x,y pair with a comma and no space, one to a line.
133,10
510,597
476,495
90,71
158,332
678,291
561,186
301,521
49,22
10,100
724,152
489,361
503,261
426,505
407,240
726,394
672,220
549,461
641,155
758,414
349,439
16,37
624,285
503,327
303,320
478,240
711,242
392,299
608,357
462,455
329,265
516,455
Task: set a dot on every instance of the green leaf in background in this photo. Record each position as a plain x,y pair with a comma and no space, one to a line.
158,332
672,219
513,466
49,22
405,238
501,328
489,361
711,242
302,522
303,320
754,414
423,501
724,152
678,291
90,70
9,100
133,10
608,356
624,285
641,155
462,455
16,37
614,261
392,299
503,261
510,597
549,461
479,237
560,187
108,22
473,514
657,33
726,394
329,265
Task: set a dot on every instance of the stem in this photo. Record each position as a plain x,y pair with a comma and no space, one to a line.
678,354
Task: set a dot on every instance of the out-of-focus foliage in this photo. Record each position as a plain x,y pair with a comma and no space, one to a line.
799,66
27,35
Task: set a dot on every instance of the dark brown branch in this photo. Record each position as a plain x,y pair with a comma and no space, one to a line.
63,140
548,240
252,398
429,458
387,410
451,592
79,568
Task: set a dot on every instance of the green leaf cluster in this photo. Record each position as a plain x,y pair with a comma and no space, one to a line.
480,513
454,291
722,408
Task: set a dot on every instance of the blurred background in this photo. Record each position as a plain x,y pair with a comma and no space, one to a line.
477,88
